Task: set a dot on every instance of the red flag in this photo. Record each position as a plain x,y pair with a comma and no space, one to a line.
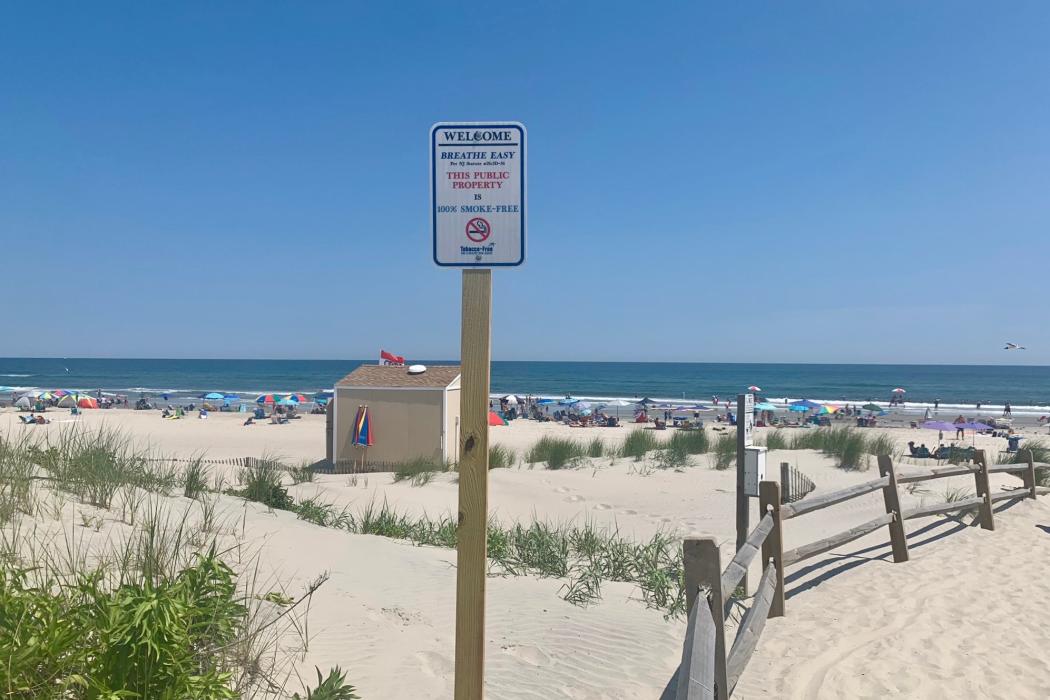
389,358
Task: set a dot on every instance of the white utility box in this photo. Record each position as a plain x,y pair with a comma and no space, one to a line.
754,469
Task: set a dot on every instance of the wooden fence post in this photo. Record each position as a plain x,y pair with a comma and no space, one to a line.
984,490
891,497
785,482
773,545
1029,475
703,567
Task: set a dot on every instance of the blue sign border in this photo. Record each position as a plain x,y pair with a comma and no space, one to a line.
433,186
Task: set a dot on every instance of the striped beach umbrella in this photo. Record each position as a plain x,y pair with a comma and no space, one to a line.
297,398
268,398
363,428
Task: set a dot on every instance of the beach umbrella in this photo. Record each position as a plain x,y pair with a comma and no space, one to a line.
938,425
213,396
496,419
765,406
285,401
646,401
805,404
873,407
268,398
827,409
898,390
511,398
231,397
582,405
754,388
362,436
797,408
297,398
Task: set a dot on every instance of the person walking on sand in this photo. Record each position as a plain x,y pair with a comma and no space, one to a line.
1007,413
936,405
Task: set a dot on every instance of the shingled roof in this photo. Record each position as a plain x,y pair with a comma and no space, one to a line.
436,377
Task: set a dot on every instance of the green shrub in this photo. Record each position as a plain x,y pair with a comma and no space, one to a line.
1040,452
725,451
595,448
304,473
694,442
556,453
334,687
500,457
638,443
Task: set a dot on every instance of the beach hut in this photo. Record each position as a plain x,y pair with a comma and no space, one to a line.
413,413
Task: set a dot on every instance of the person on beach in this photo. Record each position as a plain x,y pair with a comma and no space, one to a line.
1007,413
936,405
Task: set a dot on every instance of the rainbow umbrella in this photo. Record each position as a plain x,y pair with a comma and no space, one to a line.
363,428
268,398
828,408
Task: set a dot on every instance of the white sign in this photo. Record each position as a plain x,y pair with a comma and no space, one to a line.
477,192
754,469
748,418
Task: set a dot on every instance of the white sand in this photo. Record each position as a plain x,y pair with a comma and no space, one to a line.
964,618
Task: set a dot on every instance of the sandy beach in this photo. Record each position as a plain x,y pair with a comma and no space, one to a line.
963,618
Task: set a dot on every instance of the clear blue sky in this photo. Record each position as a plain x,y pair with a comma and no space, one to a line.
839,181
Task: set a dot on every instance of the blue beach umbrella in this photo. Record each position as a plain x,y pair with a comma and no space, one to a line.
804,404
213,396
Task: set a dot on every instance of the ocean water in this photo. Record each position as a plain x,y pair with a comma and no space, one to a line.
962,386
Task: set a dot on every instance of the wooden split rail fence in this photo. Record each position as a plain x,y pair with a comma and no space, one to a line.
708,671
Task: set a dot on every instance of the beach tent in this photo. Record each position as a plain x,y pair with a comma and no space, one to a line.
511,398
87,402
68,401
23,402
496,419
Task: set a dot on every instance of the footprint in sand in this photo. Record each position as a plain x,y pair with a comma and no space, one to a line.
630,512
602,506
573,499
562,489
435,664
530,655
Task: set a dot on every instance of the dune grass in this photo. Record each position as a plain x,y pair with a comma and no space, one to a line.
556,453
153,613
639,442
851,447
725,451
596,448
777,440
419,471
1040,451
693,442
500,457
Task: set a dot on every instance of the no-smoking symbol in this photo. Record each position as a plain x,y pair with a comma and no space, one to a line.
478,229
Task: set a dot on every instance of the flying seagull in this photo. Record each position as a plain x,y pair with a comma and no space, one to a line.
1014,346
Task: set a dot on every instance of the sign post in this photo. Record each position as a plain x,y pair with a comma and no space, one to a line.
477,188
745,427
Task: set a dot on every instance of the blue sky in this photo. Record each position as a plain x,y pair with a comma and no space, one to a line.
834,181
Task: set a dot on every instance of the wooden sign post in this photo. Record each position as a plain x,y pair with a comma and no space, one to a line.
472,534
745,424
477,192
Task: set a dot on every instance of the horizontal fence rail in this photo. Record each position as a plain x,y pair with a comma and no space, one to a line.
707,670
792,510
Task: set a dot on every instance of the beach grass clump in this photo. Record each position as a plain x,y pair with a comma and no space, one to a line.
674,456
556,453
777,440
16,479
500,457
848,445
263,481
725,451
419,471
883,445
693,442
302,473
596,448
1039,450
195,478
638,443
